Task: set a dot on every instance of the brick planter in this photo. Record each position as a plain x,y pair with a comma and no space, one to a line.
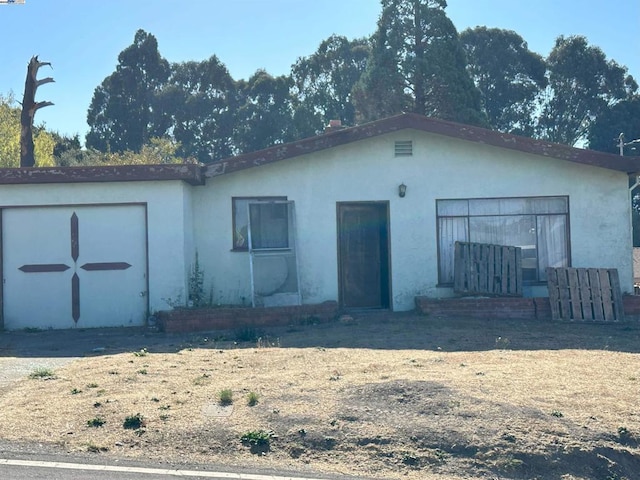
536,308
226,318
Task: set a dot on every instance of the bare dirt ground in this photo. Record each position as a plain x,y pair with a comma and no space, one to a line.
379,396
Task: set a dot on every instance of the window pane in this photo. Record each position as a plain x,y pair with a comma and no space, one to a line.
269,225
450,230
517,206
241,221
552,241
513,231
550,205
452,208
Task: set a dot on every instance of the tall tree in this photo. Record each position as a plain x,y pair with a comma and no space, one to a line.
508,75
265,116
417,64
582,85
197,107
121,115
323,81
622,118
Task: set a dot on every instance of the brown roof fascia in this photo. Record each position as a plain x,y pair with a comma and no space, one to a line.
189,173
630,165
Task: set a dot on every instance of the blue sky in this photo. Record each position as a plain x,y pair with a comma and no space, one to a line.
82,38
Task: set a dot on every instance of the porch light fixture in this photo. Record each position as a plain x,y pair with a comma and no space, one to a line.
402,190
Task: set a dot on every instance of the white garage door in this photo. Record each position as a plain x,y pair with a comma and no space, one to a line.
66,267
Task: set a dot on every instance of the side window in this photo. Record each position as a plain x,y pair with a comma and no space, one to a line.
266,233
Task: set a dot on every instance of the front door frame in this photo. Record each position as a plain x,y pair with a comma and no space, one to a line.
385,253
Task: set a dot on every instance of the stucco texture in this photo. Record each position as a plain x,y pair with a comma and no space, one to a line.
440,168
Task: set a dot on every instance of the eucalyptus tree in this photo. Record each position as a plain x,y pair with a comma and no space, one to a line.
509,76
265,115
197,109
122,111
324,80
583,84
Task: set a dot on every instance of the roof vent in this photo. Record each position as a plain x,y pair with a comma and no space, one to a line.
403,148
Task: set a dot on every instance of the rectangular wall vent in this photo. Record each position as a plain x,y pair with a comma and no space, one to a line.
403,148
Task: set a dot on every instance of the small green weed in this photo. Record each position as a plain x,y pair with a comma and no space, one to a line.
96,422
43,373
252,399
557,414
142,371
260,438
133,422
75,391
225,397
92,448
143,352
92,385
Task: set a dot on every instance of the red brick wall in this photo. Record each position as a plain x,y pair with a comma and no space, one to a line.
202,319
537,308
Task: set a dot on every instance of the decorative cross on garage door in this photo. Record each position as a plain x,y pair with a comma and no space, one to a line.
75,279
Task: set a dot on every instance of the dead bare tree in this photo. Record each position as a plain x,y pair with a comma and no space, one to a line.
29,108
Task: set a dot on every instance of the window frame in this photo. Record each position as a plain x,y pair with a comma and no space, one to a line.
469,233
234,211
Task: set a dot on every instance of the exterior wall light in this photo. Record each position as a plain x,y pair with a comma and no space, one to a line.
402,190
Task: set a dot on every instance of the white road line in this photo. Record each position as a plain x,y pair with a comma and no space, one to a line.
150,471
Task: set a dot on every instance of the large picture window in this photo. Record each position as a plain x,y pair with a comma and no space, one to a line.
538,225
268,219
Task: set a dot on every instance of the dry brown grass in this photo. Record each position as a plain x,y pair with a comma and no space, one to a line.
509,407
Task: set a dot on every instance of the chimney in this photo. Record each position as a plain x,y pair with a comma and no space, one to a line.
334,126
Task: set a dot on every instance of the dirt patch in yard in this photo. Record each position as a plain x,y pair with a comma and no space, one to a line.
385,396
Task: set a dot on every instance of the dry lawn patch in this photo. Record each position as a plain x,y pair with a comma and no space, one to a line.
498,409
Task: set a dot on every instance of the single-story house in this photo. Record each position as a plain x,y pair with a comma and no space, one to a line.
366,216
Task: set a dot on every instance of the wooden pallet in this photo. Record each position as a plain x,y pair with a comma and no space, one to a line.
483,269
585,294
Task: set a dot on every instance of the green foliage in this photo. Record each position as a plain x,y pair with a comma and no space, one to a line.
508,75
257,437
323,82
252,399
42,373
198,105
141,353
44,141
96,422
623,117
133,422
583,84
225,397
265,113
417,65
122,115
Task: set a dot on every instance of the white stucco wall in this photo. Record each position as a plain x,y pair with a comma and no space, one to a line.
439,168
169,221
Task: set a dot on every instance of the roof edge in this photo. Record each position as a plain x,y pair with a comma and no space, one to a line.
189,173
426,124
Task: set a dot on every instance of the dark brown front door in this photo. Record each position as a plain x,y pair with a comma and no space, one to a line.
363,255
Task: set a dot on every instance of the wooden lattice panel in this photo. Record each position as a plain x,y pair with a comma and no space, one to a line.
585,294
483,269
